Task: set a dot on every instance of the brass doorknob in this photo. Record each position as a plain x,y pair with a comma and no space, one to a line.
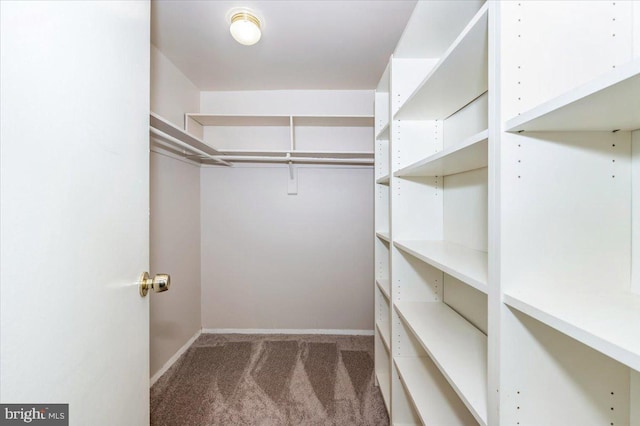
160,282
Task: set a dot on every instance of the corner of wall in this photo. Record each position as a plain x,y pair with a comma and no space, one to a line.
175,223
172,93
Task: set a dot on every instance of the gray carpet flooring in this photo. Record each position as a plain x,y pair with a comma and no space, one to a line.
269,380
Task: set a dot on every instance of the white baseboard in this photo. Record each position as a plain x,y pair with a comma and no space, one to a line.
167,365
340,332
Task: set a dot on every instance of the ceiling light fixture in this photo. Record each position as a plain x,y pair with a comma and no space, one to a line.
245,27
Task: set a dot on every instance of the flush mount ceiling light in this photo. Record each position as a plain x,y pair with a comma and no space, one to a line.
245,26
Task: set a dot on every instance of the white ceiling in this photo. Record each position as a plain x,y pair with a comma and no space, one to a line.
306,44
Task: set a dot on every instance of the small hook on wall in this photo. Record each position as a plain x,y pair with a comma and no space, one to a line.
292,187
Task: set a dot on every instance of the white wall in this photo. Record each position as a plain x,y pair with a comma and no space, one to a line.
172,93
301,102
277,261
174,221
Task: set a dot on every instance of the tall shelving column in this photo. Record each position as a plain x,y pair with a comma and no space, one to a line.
382,288
439,140
570,105
528,194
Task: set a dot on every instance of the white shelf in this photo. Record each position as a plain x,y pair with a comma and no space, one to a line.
607,103
607,321
384,180
281,120
432,27
333,154
159,123
384,133
470,154
432,407
455,346
384,287
384,236
385,334
298,154
333,120
291,122
384,383
465,264
185,140
240,120
249,152
414,375
459,77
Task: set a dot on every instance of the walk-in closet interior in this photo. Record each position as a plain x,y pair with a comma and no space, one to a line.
497,271
261,184
372,212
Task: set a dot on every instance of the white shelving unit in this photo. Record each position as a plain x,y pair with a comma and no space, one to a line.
566,277
384,236
438,190
385,288
384,180
468,155
292,139
469,266
514,185
416,373
383,377
456,347
168,136
382,346
454,80
384,133
413,373
384,387
286,138
608,102
513,168
606,321
385,333
382,285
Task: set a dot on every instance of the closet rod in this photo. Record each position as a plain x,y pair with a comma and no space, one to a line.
294,159
167,145
178,142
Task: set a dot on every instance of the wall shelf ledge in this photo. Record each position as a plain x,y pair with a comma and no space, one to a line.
468,155
605,320
607,103
463,263
457,348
